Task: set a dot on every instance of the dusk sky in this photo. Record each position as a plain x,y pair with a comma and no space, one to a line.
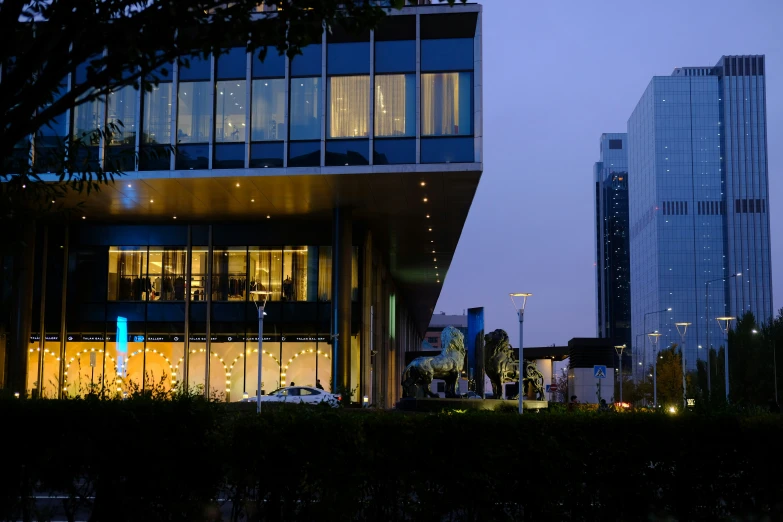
556,76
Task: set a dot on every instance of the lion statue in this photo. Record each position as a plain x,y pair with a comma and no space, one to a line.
533,382
499,362
447,366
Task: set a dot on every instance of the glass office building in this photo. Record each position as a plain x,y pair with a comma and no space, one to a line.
612,259
337,182
699,208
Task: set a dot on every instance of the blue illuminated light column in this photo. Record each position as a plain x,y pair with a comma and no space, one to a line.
476,348
521,315
122,346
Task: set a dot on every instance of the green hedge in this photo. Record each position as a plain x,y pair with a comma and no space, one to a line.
145,460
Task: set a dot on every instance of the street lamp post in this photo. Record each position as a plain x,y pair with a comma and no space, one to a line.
654,342
260,303
645,329
774,367
682,329
521,314
707,324
619,350
725,329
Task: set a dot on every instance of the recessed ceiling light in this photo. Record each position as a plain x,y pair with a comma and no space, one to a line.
436,267
430,230
84,217
438,281
428,216
425,200
432,240
268,217
435,260
437,275
175,217
423,184
252,200
152,201
52,201
237,184
129,185
433,251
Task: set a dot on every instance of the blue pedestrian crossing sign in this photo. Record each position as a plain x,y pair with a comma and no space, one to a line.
599,371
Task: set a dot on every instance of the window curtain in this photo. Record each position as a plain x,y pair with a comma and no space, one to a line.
325,273
349,106
446,104
299,273
395,105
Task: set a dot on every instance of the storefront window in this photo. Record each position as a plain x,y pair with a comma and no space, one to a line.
128,355
51,369
349,106
198,274
230,111
226,370
325,273
193,112
300,363
266,271
84,368
268,110
447,104
306,109
165,355
197,364
270,367
128,279
395,105
167,274
295,274
229,274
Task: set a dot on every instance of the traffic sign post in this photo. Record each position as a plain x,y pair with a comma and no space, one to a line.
599,372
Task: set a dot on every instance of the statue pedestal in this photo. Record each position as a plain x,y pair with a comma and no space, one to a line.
437,405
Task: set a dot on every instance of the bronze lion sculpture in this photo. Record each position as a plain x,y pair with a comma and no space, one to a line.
447,366
499,362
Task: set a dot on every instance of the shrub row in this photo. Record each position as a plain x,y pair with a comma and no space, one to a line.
188,459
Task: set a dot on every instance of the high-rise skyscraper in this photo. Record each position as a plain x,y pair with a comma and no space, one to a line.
612,261
698,203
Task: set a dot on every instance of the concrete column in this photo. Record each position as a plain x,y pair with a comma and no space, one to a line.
22,299
341,298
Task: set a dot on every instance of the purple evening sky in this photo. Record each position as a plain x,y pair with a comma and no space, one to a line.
557,75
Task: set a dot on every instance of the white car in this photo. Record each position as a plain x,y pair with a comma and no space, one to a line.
299,394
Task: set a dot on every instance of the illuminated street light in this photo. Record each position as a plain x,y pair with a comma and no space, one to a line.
520,309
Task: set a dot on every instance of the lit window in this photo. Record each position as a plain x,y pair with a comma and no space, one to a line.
349,106
447,104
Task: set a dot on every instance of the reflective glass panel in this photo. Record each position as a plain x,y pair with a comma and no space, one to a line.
447,150
198,69
347,152
229,156
87,118
266,155
395,56
192,157
268,110
308,63
122,112
391,151
451,54
446,104
272,66
348,58
349,106
230,122
304,153
232,64
395,105
194,111
305,109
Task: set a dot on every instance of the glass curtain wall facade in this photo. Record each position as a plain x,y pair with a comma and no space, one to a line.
613,265
341,102
694,165
127,331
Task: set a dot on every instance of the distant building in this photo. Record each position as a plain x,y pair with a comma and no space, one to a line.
612,257
440,321
698,200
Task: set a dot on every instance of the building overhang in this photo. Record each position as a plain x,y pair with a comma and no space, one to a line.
387,200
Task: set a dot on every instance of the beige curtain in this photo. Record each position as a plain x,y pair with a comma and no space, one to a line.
390,109
440,104
349,106
324,273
